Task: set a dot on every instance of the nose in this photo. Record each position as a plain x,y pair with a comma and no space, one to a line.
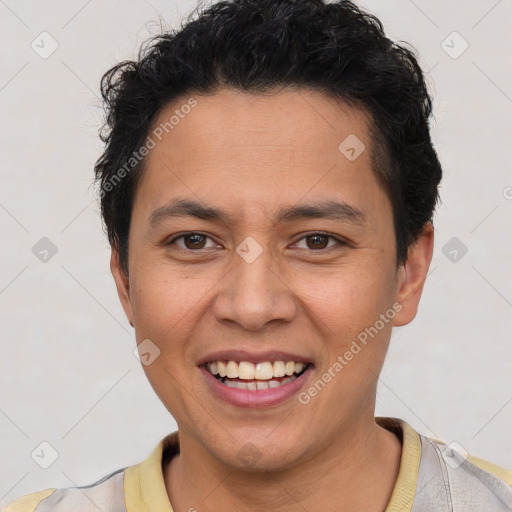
254,294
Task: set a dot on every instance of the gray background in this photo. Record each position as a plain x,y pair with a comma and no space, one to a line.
68,373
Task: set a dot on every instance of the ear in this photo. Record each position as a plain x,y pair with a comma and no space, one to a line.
122,285
412,274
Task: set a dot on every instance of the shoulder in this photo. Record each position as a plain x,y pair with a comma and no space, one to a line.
107,495
438,476
29,502
458,479
129,488
498,471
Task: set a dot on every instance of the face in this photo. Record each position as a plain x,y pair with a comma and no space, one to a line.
286,256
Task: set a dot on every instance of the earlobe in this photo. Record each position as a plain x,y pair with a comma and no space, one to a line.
122,285
411,276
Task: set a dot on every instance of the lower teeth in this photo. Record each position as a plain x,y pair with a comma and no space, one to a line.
254,385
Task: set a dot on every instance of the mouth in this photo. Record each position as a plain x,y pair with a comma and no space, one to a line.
252,377
255,385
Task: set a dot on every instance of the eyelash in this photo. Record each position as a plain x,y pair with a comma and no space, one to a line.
340,241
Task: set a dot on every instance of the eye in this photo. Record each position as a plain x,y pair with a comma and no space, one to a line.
320,240
192,241
195,241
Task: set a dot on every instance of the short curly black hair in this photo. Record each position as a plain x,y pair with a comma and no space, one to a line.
263,45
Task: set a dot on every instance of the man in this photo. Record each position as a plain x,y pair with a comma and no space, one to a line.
268,186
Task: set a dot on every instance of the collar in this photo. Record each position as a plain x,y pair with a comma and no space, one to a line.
404,491
145,488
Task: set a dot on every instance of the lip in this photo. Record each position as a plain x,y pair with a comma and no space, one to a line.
258,398
252,357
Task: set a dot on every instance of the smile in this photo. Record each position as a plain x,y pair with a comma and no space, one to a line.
253,377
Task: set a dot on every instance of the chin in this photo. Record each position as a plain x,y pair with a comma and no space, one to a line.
259,455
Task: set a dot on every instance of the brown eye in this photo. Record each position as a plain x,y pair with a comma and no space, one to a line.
318,241
191,241
196,241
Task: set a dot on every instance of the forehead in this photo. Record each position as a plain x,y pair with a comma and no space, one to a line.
296,120
253,151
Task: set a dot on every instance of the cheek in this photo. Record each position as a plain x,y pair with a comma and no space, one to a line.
167,309
355,316
347,308
346,299
163,301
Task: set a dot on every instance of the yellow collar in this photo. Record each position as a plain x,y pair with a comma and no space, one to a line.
145,488
404,491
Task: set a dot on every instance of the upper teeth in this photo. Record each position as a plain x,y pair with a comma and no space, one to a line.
261,371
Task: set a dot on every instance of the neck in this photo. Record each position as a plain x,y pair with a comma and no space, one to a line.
357,471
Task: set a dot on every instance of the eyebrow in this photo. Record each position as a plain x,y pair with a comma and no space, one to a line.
330,209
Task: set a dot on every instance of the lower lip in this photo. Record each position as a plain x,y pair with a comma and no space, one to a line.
258,398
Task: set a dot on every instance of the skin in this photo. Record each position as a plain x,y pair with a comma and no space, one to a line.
252,155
